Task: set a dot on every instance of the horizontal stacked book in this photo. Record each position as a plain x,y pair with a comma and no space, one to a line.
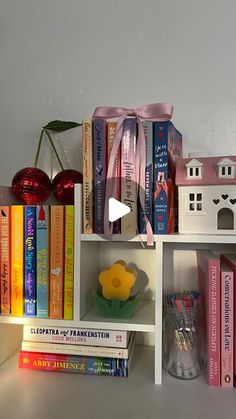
163,146
83,351
37,261
216,275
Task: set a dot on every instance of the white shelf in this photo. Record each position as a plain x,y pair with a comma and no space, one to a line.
35,321
165,238
157,266
142,321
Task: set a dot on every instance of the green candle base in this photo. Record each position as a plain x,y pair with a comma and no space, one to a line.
115,309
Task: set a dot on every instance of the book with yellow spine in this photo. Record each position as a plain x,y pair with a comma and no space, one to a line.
17,262
56,262
69,263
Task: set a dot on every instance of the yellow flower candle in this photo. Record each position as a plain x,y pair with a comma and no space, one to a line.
117,281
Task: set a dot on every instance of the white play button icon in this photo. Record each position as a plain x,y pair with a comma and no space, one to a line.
116,210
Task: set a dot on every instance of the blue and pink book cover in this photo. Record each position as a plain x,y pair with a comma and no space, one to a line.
167,149
99,173
42,259
30,260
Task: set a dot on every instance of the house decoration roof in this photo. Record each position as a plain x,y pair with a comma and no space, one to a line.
209,171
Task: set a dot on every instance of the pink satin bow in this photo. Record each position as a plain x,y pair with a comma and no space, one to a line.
153,112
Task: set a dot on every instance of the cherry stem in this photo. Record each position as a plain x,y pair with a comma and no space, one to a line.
39,147
53,147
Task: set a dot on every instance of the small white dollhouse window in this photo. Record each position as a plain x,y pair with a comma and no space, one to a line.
226,168
195,202
194,169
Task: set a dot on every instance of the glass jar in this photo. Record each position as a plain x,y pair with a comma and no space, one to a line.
183,342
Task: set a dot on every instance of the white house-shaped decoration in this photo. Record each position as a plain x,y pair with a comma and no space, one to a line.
226,168
207,195
194,169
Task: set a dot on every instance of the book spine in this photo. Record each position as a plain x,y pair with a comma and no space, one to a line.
111,129
87,177
30,260
148,131
69,263
160,157
77,364
56,262
17,252
42,259
214,339
98,337
174,152
128,176
58,348
5,255
227,329
99,144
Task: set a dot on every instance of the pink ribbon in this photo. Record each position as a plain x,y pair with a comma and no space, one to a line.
154,112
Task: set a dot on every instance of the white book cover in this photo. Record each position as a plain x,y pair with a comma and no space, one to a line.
79,336
83,350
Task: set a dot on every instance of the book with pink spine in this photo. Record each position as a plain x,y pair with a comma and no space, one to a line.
230,259
209,286
227,325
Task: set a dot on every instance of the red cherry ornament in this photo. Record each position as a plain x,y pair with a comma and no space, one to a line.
63,185
31,186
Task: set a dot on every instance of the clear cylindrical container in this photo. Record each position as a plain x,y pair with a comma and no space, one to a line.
183,342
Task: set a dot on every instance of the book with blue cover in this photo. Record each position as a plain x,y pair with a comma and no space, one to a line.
30,260
167,149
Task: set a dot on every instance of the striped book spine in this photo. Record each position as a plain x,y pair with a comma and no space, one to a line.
42,259
30,260
69,263
56,262
5,254
17,256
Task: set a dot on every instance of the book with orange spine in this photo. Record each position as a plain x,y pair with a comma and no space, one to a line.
5,218
17,260
69,263
56,262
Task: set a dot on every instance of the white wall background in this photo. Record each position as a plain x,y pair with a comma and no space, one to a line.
60,59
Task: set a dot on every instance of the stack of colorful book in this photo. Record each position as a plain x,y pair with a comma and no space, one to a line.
216,274
163,147
83,351
36,260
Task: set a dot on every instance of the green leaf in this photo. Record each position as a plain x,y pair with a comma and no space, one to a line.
60,126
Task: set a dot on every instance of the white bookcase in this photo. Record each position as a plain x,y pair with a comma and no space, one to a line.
169,264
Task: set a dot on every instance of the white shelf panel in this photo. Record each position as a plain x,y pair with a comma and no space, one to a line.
114,238
142,321
35,321
165,238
